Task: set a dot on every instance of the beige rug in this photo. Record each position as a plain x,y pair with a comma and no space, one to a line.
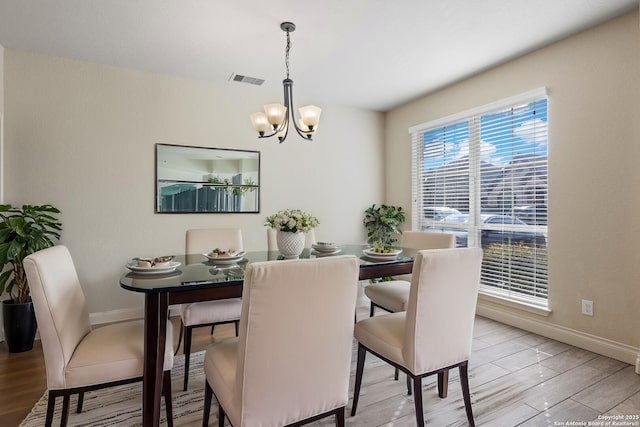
122,405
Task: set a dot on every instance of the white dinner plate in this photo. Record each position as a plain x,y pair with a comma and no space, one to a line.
325,248
318,253
226,259
131,265
382,256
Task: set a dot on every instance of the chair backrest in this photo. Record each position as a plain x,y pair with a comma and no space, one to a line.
441,308
61,310
204,240
272,245
296,338
427,240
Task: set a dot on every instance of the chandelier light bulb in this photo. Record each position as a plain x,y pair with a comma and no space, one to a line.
260,123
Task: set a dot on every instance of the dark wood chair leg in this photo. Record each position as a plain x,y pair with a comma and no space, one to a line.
443,383
208,393
212,328
51,405
362,352
409,385
179,337
168,403
417,398
464,383
340,417
237,324
187,354
396,375
64,417
221,415
372,310
80,402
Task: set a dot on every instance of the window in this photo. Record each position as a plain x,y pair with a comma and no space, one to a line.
482,175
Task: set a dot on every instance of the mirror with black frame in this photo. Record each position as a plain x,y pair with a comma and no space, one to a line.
206,180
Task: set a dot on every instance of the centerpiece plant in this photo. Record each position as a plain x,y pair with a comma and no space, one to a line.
382,224
292,221
291,226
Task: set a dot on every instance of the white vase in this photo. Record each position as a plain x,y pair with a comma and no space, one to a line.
290,244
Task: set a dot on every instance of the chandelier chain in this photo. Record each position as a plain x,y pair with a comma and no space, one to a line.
286,57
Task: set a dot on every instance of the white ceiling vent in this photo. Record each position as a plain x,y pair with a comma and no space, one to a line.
246,79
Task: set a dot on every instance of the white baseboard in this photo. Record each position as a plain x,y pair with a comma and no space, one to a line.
120,315
606,347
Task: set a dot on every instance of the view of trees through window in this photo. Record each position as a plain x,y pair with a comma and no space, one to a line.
483,177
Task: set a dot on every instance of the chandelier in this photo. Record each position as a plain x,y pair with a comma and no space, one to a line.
276,118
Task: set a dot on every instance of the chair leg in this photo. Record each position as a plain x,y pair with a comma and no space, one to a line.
443,383
51,405
212,328
221,415
417,399
179,337
64,417
464,383
372,309
340,417
168,400
208,394
187,354
409,385
237,324
80,402
396,375
362,352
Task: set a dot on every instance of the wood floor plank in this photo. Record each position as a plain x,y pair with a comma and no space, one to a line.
562,413
610,391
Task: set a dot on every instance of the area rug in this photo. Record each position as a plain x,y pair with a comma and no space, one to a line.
122,405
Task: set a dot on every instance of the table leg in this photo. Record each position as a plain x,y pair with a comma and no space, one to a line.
155,332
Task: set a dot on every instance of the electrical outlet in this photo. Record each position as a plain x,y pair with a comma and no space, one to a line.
587,307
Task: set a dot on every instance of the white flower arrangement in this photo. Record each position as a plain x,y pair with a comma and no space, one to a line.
292,220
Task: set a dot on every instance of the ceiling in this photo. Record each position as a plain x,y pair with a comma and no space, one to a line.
373,54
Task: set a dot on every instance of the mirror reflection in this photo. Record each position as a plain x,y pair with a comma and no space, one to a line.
206,180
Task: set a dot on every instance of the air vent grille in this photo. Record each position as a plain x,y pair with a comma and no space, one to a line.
246,79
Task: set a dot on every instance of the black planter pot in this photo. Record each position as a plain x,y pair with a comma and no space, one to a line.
19,325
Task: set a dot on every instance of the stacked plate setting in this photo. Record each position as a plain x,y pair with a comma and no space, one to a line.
324,249
382,256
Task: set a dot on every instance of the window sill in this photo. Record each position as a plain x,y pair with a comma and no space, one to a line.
519,305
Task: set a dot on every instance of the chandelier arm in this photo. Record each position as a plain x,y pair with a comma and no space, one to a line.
289,97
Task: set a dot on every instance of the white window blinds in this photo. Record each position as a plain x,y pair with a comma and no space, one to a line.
482,175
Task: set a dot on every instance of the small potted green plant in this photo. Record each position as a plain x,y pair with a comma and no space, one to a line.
23,231
382,224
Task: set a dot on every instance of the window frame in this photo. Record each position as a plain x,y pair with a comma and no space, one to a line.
475,225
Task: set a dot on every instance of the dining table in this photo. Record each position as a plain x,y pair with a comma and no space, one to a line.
198,278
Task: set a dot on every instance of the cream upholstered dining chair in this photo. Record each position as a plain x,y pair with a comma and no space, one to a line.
78,358
292,361
444,288
393,295
208,313
272,245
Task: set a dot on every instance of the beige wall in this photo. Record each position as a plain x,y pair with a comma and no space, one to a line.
1,79
81,136
593,80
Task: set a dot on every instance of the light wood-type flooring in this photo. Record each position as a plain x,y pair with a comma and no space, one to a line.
516,379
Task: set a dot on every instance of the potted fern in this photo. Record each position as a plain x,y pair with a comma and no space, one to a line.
23,231
382,224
